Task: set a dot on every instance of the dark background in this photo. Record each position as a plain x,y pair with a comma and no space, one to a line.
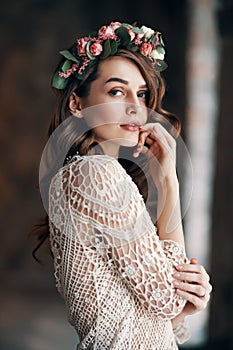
32,32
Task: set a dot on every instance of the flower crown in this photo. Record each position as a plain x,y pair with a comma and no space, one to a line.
104,43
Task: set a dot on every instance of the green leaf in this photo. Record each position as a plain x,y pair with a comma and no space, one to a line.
85,71
114,47
106,49
92,57
160,49
66,65
59,82
137,30
124,36
161,66
68,55
161,40
133,27
154,39
132,47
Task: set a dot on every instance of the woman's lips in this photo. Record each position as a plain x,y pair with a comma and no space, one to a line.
131,126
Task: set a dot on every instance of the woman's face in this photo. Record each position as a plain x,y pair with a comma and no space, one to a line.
116,106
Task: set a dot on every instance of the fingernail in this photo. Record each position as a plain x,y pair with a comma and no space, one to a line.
176,275
176,283
180,267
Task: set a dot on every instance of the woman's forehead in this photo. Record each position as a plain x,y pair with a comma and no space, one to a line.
120,67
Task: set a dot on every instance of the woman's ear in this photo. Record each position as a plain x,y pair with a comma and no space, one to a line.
75,105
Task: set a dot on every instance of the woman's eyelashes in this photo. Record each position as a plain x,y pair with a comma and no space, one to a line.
143,95
117,92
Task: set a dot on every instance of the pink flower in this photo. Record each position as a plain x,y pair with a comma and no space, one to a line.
131,33
84,65
106,33
115,25
96,49
82,43
146,49
69,71
137,40
140,35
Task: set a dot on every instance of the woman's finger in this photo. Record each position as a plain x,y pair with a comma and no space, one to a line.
159,132
155,133
195,275
194,268
195,278
192,284
199,290
157,127
199,303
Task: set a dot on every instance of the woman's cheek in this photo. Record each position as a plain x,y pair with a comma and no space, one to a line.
102,114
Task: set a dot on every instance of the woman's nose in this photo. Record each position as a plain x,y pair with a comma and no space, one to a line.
134,109
132,104
131,109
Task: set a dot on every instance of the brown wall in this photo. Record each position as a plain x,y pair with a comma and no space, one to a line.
32,32
221,321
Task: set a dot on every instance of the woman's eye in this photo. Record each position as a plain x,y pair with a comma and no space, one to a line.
143,94
115,92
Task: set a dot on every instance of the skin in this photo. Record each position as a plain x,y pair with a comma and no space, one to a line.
119,96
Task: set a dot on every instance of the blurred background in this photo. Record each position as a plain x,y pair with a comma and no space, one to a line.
199,41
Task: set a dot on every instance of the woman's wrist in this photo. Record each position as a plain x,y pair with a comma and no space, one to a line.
178,319
169,221
171,180
168,182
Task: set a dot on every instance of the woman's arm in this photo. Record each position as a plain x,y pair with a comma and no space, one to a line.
160,149
192,283
108,215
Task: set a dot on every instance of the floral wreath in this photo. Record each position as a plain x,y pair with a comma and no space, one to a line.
104,43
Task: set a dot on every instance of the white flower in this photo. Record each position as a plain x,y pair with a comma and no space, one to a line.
157,55
148,32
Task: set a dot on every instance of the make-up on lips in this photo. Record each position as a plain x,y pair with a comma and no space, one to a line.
131,126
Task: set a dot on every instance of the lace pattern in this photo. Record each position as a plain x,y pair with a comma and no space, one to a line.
182,332
112,270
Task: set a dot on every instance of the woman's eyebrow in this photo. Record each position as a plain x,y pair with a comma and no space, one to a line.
125,82
119,80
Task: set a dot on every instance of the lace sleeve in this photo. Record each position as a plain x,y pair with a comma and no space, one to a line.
109,215
182,332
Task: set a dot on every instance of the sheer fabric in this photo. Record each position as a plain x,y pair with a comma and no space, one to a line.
112,270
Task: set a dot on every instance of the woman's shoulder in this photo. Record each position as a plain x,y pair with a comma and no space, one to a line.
101,165
97,176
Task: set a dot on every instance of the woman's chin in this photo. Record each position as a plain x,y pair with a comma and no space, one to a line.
128,142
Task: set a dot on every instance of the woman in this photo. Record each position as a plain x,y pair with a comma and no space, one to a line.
115,222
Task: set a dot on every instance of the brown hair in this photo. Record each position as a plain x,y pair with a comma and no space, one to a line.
156,88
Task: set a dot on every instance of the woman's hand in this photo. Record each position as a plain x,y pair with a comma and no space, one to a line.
192,283
160,148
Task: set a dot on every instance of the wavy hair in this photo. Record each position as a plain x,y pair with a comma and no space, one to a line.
156,89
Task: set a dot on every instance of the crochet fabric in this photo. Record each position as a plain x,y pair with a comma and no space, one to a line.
112,270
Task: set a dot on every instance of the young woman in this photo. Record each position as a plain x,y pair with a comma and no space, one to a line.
114,216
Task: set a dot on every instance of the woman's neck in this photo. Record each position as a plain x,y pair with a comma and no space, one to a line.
109,148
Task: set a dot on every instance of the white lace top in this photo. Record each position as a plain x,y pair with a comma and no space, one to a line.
112,270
